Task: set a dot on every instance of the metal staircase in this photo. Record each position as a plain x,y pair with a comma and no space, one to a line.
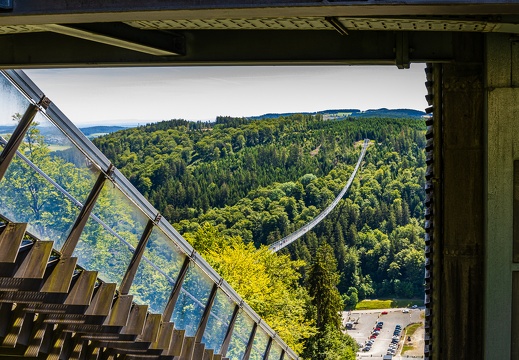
57,304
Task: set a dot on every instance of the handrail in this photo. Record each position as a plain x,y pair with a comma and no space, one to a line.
96,218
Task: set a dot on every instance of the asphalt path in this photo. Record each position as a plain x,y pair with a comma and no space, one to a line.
367,319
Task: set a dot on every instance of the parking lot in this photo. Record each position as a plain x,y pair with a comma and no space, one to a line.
367,320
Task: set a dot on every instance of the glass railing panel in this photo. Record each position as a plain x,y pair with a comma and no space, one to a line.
240,336
120,214
12,106
192,300
68,167
29,192
27,197
218,323
157,272
275,351
69,171
99,250
111,234
259,346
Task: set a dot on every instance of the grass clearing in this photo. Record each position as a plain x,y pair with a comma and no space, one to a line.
406,303
387,304
409,331
373,304
406,347
56,147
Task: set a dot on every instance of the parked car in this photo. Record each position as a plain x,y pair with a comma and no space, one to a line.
405,311
383,313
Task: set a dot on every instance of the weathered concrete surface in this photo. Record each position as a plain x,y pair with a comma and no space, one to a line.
462,244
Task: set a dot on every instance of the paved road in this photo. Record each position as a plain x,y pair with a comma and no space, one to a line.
367,320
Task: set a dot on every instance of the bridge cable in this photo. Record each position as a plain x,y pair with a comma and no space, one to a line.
289,239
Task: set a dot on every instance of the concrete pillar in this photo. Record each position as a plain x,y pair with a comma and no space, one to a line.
459,273
502,142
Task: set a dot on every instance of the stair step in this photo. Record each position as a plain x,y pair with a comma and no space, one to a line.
11,238
35,262
198,352
208,354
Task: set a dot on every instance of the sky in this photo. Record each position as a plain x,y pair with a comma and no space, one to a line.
142,95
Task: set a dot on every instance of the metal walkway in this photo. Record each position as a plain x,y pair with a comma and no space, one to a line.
289,239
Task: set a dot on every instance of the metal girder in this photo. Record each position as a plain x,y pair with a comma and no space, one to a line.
78,11
6,156
123,36
232,47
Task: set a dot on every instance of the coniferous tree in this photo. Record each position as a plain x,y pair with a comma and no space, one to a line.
329,343
323,279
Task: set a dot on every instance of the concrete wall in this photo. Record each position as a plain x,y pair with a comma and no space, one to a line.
502,144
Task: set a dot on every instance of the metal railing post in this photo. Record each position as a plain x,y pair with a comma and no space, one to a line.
170,306
248,350
267,351
205,316
18,134
131,270
73,238
228,334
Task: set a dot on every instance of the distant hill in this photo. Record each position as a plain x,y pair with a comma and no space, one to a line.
89,131
95,131
5,129
344,113
391,113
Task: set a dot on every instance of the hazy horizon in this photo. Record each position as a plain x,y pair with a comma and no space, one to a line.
137,122
136,96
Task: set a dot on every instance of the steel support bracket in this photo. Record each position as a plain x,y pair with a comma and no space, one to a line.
402,50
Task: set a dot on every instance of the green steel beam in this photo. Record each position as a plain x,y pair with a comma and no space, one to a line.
234,47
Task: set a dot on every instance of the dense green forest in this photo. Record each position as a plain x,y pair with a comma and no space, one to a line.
232,188
259,180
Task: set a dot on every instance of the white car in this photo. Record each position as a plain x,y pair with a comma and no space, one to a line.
405,311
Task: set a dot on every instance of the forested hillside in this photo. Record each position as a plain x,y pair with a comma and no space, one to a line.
259,180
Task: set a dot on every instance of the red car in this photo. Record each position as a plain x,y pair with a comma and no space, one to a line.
383,313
